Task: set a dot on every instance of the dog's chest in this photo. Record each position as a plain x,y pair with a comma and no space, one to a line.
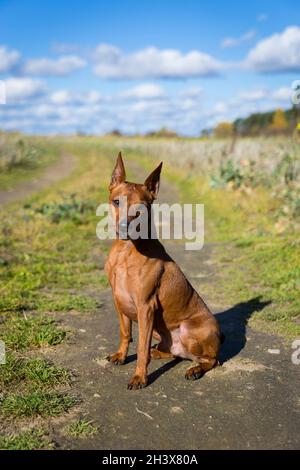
122,274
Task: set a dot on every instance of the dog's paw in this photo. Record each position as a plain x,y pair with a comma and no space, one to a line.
157,354
136,383
194,373
117,359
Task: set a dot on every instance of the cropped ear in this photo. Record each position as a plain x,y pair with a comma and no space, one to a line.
152,182
118,175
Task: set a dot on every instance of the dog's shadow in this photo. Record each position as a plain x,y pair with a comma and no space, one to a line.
233,323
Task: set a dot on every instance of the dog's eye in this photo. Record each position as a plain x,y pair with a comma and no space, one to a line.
116,202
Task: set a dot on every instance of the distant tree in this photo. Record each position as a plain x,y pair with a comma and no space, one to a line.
279,123
206,132
115,133
163,132
224,129
270,122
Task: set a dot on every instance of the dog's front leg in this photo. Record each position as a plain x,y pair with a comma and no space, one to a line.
145,326
119,357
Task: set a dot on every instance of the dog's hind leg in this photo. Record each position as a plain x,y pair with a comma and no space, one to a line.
201,346
204,365
157,353
162,349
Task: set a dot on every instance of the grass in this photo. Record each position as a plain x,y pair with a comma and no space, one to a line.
36,403
26,440
21,333
23,158
49,262
35,371
45,247
81,429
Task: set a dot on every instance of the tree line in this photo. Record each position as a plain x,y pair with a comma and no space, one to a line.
270,123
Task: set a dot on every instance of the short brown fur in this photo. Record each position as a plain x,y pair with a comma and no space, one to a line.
149,288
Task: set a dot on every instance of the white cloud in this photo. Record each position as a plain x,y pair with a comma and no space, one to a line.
283,94
64,48
64,97
253,95
19,90
220,108
277,53
233,42
64,111
194,92
271,98
153,63
144,91
54,67
8,58
61,97
106,53
187,110
262,17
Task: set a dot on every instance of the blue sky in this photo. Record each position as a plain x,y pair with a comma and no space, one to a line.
138,65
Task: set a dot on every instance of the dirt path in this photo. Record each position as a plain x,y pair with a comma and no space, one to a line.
61,169
251,402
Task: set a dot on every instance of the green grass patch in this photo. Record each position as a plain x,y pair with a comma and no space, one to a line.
104,281
19,333
49,262
81,429
36,371
24,158
26,440
69,209
37,403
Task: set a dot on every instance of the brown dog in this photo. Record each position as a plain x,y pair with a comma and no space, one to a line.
150,289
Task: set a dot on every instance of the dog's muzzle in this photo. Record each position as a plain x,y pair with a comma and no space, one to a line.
123,230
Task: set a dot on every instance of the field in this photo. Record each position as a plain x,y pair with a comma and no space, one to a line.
53,286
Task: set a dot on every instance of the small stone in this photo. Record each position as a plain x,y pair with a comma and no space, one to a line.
176,410
102,362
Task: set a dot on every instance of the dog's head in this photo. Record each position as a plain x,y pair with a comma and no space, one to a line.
131,200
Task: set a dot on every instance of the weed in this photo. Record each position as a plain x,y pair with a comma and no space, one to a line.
26,440
72,209
81,429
